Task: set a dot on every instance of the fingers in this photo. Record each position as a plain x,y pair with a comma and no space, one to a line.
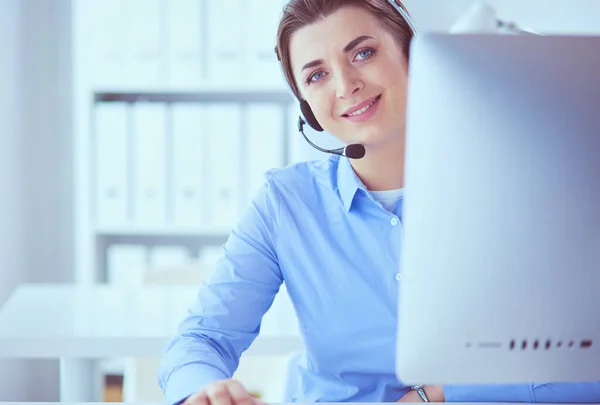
239,394
218,394
226,392
200,398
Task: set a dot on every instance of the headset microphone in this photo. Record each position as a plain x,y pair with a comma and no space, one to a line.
352,151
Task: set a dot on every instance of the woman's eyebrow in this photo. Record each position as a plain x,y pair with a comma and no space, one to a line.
355,42
312,64
351,45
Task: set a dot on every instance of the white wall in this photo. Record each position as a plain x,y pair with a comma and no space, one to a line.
11,271
35,168
553,16
9,147
547,16
47,138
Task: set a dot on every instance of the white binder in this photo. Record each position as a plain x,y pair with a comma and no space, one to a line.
224,154
184,43
225,42
104,28
162,257
265,135
260,40
210,255
189,159
150,146
111,159
126,265
145,67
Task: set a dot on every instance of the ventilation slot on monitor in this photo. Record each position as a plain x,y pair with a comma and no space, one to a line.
537,344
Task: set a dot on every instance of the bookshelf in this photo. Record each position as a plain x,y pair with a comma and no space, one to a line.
159,59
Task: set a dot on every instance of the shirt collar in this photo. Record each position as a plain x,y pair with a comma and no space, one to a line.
348,182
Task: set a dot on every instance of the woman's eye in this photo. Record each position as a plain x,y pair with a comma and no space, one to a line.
317,76
364,54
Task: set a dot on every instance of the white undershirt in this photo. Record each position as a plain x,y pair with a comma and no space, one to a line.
388,198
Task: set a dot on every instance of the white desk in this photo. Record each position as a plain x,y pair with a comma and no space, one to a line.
80,324
296,403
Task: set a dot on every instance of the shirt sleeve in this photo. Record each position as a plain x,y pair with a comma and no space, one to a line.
225,317
584,392
489,393
588,392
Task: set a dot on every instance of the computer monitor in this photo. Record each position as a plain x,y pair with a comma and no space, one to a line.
501,222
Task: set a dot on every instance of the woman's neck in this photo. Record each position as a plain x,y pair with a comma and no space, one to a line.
382,168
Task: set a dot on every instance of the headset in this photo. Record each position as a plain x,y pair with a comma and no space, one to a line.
351,151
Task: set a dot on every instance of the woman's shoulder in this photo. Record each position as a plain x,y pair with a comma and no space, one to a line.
303,176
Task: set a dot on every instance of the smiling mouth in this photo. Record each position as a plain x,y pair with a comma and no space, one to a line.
364,109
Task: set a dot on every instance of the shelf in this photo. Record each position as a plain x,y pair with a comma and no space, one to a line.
193,238
161,231
203,96
113,366
195,241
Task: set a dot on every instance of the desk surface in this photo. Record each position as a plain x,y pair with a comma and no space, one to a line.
51,321
296,403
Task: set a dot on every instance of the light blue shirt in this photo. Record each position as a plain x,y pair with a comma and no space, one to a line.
315,227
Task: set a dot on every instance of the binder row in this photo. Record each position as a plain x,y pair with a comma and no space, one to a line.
130,265
133,43
185,165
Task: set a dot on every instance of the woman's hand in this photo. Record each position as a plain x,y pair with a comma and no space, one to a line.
435,393
224,392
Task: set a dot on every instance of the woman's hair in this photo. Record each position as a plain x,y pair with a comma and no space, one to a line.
299,13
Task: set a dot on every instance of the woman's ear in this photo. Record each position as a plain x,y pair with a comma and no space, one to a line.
309,116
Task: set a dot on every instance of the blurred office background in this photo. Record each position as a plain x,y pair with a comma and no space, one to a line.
133,133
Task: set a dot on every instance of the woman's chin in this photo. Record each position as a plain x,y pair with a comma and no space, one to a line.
371,137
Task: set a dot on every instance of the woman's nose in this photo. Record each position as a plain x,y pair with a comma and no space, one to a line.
348,85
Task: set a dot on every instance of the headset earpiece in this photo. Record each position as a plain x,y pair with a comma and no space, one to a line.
309,116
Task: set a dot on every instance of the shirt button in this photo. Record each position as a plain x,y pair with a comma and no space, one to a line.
394,221
398,277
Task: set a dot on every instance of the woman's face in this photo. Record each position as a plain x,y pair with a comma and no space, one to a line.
346,62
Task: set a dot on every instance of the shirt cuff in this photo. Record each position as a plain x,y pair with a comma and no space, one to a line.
489,393
188,380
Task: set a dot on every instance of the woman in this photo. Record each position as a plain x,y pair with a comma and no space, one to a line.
329,229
